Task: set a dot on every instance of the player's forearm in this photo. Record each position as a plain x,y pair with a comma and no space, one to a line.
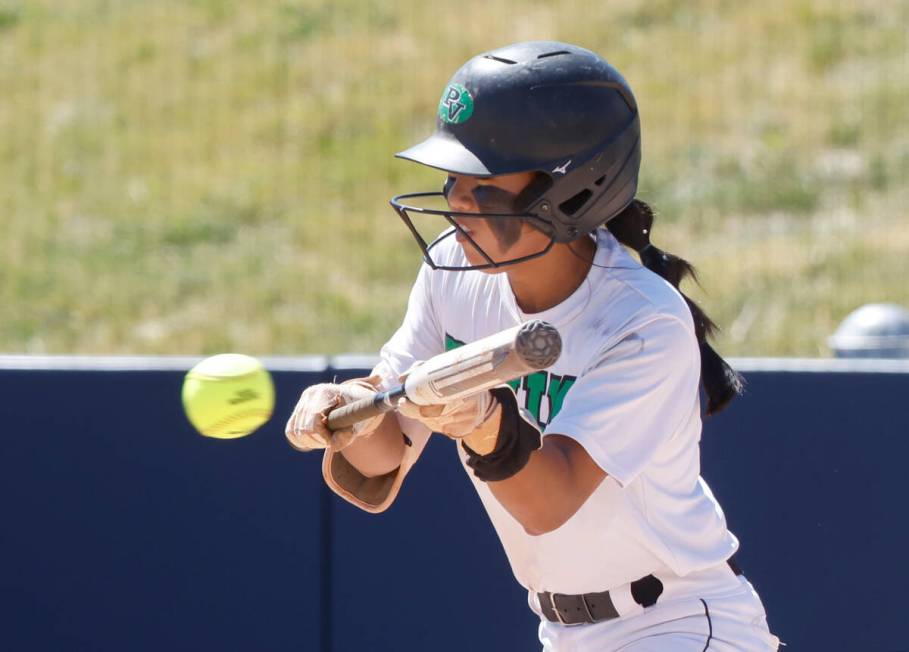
378,453
557,480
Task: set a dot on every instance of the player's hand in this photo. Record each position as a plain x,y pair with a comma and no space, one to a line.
307,427
473,419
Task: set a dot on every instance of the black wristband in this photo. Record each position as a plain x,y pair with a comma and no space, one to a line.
518,438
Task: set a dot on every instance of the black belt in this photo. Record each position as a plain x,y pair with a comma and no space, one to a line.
597,607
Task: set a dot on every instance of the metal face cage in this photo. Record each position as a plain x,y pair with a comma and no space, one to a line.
401,205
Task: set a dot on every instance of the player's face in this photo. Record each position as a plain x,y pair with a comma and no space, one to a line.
501,238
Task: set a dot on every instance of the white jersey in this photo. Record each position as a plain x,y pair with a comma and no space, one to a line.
625,388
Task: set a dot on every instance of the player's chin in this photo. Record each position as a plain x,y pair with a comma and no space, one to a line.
476,259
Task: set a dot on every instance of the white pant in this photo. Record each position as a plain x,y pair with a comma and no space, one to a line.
707,610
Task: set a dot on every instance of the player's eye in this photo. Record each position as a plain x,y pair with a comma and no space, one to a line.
449,184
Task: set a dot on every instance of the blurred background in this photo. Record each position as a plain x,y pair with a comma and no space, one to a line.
196,176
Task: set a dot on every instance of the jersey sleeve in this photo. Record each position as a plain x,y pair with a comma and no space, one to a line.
633,397
418,338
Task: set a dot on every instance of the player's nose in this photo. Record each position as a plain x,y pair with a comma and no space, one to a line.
460,198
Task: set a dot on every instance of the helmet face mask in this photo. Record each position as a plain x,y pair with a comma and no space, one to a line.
546,107
403,206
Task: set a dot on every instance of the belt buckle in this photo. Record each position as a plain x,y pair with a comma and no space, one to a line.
555,608
590,618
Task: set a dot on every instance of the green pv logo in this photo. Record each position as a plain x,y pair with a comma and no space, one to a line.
456,105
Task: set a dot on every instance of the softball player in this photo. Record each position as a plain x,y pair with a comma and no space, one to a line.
589,470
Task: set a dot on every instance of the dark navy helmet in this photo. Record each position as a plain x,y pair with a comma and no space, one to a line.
546,107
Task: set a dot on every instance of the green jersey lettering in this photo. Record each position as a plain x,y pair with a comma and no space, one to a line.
535,384
558,387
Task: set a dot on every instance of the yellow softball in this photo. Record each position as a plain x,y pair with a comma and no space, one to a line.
228,396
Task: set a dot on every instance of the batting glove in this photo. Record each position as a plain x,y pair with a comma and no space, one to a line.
307,427
473,419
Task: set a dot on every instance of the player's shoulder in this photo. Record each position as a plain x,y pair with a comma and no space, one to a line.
633,296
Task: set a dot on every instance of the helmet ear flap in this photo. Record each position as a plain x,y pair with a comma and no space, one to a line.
534,190
532,194
598,188
576,202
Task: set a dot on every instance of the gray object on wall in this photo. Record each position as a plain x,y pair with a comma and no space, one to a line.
876,330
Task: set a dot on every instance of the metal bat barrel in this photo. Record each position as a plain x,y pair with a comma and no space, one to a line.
461,372
538,343
486,363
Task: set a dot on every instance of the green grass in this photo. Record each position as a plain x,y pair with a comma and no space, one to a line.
210,175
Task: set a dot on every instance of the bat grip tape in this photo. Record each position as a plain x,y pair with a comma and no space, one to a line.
365,408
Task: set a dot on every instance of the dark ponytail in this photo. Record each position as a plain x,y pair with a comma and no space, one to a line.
632,227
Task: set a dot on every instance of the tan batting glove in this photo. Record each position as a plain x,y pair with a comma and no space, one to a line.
475,420
307,427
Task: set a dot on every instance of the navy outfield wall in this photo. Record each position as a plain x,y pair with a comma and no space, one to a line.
124,530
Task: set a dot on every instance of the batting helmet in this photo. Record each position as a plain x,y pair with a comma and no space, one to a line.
546,107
